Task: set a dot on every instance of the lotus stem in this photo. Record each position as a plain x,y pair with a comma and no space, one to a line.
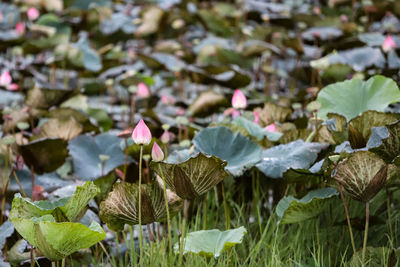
168,218
63,262
140,208
126,160
366,231
185,207
19,183
346,210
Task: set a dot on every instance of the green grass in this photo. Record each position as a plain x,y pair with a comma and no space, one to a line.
323,241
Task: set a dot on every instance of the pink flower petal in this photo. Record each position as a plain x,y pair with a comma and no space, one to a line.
239,100
141,135
156,153
32,13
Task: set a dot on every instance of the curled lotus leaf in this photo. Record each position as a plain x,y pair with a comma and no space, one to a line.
362,175
272,113
385,141
193,177
64,129
122,205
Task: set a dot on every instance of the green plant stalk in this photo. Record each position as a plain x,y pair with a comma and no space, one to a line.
346,210
168,218
389,216
63,262
140,208
185,207
226,209
366,231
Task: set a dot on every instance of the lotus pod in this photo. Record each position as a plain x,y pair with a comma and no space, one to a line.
193,177
122,205
362,175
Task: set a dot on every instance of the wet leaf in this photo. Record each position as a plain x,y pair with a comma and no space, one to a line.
240,152
296,155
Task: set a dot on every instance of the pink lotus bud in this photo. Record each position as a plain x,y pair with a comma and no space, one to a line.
143,90
239,100
344,18
32,13
156,153
388,44
141,135
5,79
271,128
167,100
256,118
165,138
20,28
12,87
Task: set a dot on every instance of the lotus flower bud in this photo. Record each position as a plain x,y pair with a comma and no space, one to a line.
388,44
165,138
32,13
20,28
5,79
143,90
256,117
271,128
156,153
13,87
141,135
239,100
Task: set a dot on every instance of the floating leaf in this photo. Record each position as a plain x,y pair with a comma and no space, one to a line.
351,98
272,113
206,103
211,243
42,156
63,129
122,205
362,175
296,155
193,177
85,152
240,152
293,210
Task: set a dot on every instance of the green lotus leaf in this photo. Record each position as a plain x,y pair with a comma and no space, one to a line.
63,129
351,98
193,177
122,205
42,156
239,151
65,209
85,152
211,243
292,210
385,141
58,240
362,175
296,155
43,98
256,130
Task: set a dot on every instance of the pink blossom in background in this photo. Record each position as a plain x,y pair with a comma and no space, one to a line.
143,90
239,100
388,44
256,117
156,153
271,128
165,137
167,99
32,13
5,78
231,112
13,87
141,135
20,28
